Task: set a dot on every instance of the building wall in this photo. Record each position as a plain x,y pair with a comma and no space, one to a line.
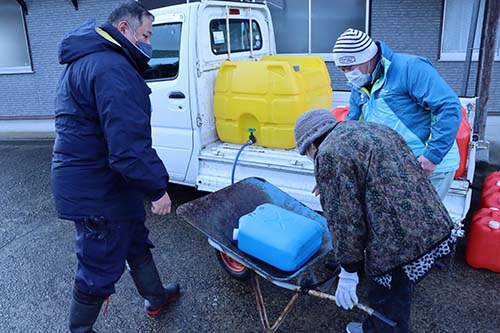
414,27
27,95
406,25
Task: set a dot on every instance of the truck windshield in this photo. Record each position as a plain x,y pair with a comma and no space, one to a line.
239,33
166,42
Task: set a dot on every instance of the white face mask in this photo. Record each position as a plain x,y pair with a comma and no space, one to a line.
357,78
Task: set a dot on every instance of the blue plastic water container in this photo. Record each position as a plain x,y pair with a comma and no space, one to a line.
279,237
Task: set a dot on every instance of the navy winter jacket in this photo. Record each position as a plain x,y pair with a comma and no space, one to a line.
103,163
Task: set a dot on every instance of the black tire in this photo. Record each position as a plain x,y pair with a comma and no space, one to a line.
232,267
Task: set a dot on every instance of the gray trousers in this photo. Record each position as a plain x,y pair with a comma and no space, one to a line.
442,182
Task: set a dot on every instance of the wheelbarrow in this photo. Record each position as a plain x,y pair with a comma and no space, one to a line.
217,214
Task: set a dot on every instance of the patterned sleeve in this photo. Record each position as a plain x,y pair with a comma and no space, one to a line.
342,199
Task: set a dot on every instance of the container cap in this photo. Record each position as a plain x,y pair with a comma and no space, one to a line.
494,224
236,232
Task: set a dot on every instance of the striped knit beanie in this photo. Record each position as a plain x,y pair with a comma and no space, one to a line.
353,47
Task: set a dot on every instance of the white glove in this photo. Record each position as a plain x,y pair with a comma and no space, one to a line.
345,296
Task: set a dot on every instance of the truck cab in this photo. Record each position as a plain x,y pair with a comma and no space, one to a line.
190,42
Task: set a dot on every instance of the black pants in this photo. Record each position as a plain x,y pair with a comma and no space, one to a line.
395,303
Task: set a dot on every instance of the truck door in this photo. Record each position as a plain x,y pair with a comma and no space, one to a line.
171,121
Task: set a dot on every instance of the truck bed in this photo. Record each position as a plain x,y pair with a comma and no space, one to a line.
285,169
294,174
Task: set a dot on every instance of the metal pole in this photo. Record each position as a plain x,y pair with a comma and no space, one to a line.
470,47
486,60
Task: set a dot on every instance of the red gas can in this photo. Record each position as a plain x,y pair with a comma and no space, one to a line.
492,179
491,212
463,140
491,199
488,192
340,112
491,183
483,242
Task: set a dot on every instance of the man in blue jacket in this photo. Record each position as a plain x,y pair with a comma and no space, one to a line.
407,94
103,164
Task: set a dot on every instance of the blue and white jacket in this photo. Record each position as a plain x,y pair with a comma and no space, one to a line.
411,97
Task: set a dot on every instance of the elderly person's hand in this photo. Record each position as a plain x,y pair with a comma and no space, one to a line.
345,296
315,190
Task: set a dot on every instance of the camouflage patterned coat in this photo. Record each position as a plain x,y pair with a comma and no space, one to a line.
380,206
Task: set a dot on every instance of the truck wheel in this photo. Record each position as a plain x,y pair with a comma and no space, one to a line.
232,267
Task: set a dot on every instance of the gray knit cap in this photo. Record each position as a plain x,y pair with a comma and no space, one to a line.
312,125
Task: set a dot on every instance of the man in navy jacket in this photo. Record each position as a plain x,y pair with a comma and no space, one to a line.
103,163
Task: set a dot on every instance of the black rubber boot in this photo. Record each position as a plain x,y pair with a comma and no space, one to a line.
84,311
148,283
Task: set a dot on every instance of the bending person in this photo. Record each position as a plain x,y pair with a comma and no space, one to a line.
381,210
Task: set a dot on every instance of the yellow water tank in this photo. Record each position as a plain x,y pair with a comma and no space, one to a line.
268,95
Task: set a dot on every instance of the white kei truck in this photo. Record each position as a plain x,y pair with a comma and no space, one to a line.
190,44
193,44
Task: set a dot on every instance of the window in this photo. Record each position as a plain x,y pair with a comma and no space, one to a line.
15,56
312,26
239,36
456,26
166,42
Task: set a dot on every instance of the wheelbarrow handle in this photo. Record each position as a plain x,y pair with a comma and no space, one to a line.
376,314
317,293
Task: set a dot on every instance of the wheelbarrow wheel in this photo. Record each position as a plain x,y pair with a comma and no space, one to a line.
232,267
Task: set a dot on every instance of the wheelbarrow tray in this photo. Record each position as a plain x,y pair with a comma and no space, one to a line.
216,215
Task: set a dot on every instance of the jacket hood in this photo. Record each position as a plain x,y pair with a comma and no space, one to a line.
86,39
80,42
385,50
